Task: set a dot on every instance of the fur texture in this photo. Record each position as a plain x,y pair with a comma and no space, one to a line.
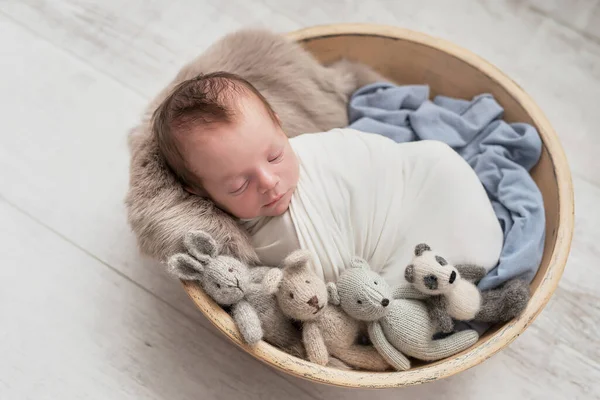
505,302
307,96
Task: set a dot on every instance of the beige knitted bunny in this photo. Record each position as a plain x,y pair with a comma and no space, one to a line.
326,329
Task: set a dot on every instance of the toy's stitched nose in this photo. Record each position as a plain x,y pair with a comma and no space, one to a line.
385,302
431,282
313,301
452,276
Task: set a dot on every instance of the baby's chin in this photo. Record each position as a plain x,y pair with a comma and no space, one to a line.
278,209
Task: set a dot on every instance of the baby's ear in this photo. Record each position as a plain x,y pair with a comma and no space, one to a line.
201,245
357,262
272,280
409,273
332,294
185,267
296,259
196,192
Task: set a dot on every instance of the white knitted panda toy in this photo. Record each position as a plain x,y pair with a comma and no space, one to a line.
452,294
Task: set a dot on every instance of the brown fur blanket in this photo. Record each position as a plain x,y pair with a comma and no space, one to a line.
307,96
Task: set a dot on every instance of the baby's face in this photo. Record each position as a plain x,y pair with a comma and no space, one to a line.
248,168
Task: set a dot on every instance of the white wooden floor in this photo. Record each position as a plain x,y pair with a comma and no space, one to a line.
83,316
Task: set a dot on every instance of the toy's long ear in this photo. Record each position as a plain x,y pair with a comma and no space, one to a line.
201,245
409,273
272,280
185,267
297,259
357,262
332,294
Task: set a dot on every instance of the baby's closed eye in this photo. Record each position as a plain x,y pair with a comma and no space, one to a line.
240,188
277,157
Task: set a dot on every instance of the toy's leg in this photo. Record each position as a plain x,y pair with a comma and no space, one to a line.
338,364
442,348
362,357
504,303
389,352
314,344
247,322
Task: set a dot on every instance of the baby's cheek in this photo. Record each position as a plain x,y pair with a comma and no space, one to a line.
249,205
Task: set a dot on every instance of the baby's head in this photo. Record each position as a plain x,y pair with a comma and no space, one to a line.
223,140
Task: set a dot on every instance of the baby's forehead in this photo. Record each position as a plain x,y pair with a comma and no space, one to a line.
248,104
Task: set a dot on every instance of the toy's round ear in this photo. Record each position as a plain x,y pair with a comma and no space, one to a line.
297,259
357,262
409,273
201,245
441,260
185,267
332,294
421,248
272,280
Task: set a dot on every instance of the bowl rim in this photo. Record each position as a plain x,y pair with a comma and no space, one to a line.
496,341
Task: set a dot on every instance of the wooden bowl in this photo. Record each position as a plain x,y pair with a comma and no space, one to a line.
409,57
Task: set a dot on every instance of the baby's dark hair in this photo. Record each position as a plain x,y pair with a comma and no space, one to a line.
204,100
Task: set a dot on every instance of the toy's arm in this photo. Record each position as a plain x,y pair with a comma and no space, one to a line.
247,321
389,352
438,312
314,343
408,292
257,274
471,273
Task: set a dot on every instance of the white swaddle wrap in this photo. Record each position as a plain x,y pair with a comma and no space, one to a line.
364,195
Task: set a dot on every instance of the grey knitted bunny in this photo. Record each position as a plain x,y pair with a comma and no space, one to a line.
232,283
398,326
327,331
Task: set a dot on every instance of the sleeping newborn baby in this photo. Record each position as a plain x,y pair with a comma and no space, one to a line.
339,194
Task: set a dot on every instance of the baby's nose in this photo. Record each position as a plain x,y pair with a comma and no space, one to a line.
268,181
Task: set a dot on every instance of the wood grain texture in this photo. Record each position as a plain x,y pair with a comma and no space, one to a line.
75,75
78,330
65,147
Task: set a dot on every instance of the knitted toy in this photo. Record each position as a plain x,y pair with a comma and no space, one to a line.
398,327
231,283
452,294
326,329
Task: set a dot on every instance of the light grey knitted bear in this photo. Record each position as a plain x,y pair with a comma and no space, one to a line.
452,294
327,331
398,326
231,283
